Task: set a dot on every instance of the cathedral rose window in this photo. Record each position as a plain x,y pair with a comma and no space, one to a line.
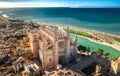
61,44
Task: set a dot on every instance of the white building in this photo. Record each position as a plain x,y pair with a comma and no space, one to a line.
115,67
30,68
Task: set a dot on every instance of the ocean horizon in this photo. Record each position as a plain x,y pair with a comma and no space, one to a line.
99,19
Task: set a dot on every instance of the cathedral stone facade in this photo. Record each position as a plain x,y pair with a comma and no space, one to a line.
55,47
34,45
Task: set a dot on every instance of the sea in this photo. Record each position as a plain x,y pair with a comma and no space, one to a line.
100,19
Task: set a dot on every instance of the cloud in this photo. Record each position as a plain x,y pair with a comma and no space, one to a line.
48,4
29,4
94,5
13,0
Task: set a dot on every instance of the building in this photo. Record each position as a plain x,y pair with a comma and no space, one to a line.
30,68
1,74
4,23
4,58
115,67
67,72
92,65
18,65
56,48
33,39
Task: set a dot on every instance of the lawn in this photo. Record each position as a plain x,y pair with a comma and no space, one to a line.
79,33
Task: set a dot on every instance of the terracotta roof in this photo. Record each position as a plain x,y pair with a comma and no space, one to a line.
117,61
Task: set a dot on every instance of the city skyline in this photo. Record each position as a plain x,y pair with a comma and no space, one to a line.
61,3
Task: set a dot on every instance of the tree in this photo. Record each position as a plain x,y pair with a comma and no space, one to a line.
35,74
81,47
114,58
100,51
88,49
106,54
30,74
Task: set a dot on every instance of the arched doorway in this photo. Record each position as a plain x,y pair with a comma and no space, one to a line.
62,60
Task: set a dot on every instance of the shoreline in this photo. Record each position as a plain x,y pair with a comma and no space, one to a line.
89,32
74,27
79,28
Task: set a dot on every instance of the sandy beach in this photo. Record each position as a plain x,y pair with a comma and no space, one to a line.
103,42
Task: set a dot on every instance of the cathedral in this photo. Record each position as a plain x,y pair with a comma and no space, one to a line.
55,47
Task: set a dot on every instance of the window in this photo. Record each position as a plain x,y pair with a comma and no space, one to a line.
50,60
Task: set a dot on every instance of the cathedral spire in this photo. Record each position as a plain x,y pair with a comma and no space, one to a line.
55,35
76,40
68,32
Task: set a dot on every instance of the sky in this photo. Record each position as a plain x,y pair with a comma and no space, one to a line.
60,3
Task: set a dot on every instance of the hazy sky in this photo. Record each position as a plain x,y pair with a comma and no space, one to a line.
60,3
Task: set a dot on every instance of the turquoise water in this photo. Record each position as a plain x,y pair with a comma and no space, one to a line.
94,46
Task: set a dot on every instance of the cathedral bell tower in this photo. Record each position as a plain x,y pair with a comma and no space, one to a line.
56,57
75,47
68,46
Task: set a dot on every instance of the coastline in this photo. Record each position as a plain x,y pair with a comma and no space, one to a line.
89,31
115,46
